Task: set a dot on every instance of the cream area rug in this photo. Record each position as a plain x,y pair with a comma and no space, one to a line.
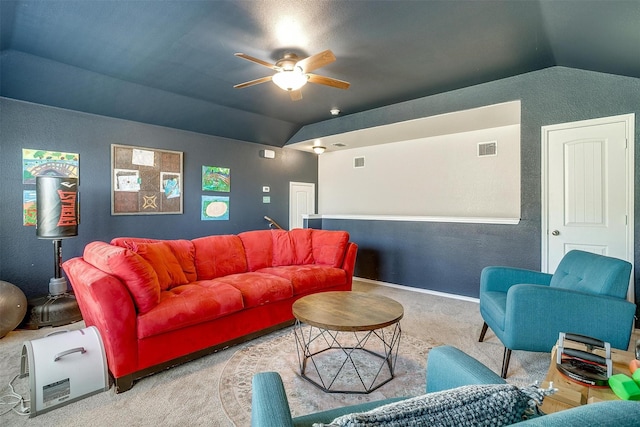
216,390
278,353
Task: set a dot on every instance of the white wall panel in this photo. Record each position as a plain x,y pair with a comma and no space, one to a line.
437,176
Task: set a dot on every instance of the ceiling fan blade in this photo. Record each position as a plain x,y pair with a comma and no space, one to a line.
253,82
328,81
316,61
256,60
296,95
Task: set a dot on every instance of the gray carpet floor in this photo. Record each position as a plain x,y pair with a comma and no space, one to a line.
195,393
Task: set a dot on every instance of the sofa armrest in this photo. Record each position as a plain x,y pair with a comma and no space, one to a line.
537,313
500,279
106,304
619,413
269,405
448,367
349,261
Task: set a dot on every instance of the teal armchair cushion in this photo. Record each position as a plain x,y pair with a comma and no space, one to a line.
594,274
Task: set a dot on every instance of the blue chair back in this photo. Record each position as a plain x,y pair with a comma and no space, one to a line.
592,273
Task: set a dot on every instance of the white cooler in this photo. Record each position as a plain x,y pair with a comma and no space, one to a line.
64,367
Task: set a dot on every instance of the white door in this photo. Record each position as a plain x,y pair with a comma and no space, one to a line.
588,189
302,201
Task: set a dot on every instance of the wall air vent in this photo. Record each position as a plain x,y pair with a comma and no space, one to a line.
358,162
488,149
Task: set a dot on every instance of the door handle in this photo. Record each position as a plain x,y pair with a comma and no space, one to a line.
555,233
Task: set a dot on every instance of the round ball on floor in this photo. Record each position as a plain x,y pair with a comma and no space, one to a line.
13,306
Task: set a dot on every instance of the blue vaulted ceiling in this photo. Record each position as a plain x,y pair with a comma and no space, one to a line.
172,63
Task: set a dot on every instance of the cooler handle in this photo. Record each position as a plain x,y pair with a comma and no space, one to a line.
68,352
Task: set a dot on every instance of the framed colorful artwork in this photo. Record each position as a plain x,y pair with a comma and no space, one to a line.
29,212
49,163
215,208
215,178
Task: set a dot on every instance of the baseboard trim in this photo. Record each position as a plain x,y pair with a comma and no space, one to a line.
419,290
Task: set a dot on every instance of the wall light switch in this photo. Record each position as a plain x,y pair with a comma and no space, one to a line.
266,189
266,199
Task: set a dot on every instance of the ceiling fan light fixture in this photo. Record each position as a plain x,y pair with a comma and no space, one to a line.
290,79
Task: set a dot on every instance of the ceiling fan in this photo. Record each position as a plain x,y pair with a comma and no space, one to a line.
294,72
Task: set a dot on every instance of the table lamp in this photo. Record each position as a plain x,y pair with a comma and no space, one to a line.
57,218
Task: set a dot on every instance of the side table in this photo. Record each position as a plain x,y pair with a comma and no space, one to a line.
570,393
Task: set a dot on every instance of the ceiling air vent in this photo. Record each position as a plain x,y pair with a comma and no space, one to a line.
488,149
358,162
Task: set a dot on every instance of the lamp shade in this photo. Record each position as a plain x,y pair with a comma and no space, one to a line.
290,79
57,207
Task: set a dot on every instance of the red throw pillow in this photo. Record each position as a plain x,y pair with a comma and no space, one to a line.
185,253
164,262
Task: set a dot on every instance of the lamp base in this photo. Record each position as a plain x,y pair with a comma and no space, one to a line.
51,310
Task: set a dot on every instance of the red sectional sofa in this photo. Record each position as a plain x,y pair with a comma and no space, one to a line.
158,303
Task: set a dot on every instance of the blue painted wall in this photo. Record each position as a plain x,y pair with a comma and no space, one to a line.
28,262
436,256
449,257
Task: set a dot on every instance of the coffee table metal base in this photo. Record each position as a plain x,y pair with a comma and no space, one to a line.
368,357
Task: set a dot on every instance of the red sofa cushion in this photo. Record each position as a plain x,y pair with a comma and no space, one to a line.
137,275
306,278
329,246
258,248
258,289
189,305
218,256
292,247
164,262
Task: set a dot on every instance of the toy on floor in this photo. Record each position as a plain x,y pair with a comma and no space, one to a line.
625,387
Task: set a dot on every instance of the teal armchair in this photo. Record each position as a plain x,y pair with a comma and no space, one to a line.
447,369
528,309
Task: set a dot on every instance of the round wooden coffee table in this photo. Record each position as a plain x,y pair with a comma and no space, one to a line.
350,340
